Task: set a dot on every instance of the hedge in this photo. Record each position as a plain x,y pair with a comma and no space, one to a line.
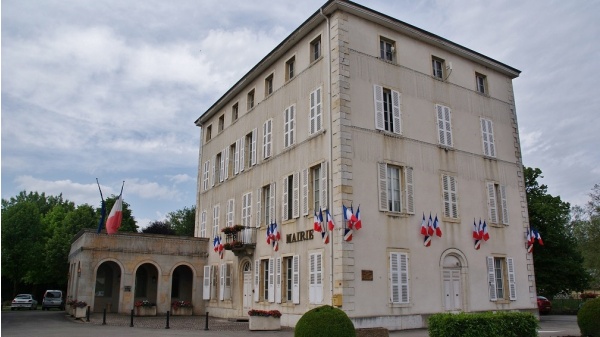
506,324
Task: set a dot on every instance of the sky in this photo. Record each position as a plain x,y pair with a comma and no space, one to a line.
110,89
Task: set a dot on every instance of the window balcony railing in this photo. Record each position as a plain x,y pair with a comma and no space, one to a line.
240,240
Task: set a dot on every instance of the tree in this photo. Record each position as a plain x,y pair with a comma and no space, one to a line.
585,226
128,224
558,264
159,227
183,221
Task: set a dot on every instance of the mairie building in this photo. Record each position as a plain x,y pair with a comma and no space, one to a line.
357,109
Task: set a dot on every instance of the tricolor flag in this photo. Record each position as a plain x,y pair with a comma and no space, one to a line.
358,224
475,230
424,226
436,227
348,234
330,223
427,241
317,223
430,230
115,217
484,232
539,238
218,246
349,217
325,236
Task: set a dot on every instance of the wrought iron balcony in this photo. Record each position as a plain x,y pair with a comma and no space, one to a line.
240,240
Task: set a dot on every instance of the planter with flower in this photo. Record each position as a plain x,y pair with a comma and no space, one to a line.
145,308
261,320
181,308
78,308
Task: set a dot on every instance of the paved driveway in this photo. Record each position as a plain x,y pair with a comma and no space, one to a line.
58,324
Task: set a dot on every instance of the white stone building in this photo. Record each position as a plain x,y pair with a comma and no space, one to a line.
357,108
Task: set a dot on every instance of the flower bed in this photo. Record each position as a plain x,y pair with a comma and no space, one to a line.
263,320
145,308
181,308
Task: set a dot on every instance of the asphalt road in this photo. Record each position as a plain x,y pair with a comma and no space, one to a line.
57,324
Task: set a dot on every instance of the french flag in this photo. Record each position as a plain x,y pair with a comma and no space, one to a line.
427,241
539,238
430,230
276,234
115,217
325,236
532,236
358,224
317,224
269,234
436,226
424,226
475,230
485,235
216,243
349,216
348,234
329,221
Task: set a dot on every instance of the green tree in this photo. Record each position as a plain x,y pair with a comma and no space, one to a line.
585,226
183,221
558,264
128,224
159,227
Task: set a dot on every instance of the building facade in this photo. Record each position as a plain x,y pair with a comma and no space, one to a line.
357,109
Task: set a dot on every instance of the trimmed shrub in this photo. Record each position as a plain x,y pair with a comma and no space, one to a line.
588,318
325,321
506,324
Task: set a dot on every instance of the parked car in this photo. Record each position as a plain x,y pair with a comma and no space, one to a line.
544,305
24,301
53,299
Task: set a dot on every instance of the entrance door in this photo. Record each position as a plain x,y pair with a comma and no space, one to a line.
452,290
247,287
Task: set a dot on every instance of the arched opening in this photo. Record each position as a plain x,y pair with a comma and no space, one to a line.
453,281
146,283
182,283
246,286
106,291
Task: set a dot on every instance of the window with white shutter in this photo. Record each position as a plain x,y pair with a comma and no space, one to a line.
323,200
512,282
202,233
214,281
387,110
394,181
450,196
487,136
216,213
296,279
205,171
242,153
221,159
315,291
256,280
230,212
225,155
497,203
259,196
214,171
277,280
271,280
206,282
491,278
267,138
222,282
286,198
305,181
289,126
444,125
315,121
237,157
227,292
399,290
253,148
501,278
247,209
296,184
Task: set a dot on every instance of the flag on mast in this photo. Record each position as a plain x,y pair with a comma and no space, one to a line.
116,215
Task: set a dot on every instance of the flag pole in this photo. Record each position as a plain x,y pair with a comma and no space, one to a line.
123,185
102,209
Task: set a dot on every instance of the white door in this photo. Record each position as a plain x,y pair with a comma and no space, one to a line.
452,290
247,287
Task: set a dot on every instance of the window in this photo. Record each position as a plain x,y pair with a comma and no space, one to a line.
216,211
225,282
314,188
209,284
497,204
269,85
387,110
444,125
289,68
289,126
267,138
247,209
386,49
267,200
291,196
399,291
234,159
250,99
230,219
214,281
264,280
315,288
234,112
487,135
221,123
438,68
250,149
450,197
481,83
218,167
315,49
396,190
208,133
202,232
205,175
501,277
316,112
291,279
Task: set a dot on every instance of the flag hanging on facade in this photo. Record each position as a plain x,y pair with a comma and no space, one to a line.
273,236
348,234
330,223
317,221
436,227
476,235
349,217
539,238
430,229
485,235
358,224
115,217
218,246
325,236
424,225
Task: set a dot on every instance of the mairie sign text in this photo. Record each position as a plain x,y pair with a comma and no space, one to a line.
299,236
